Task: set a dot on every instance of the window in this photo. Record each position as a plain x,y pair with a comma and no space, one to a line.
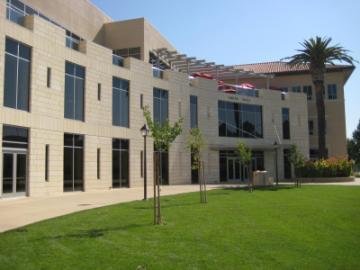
48,78
98,163
73,162
15,137
17,75
72,41
286,123
311,127
141,164
74,91
308,91
121,102
47,148
120,166
240,120
129,52
161,106
332,91
296,89
193,112
141,101
117,60
180,109
99,92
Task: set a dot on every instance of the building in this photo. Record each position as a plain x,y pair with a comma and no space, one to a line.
298,79
74,86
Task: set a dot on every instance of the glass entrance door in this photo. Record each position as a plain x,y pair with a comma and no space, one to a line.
236,171
14,173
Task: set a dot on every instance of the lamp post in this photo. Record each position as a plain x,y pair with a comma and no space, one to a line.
276,162
145,132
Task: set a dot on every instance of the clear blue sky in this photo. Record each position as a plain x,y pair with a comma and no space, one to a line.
238,32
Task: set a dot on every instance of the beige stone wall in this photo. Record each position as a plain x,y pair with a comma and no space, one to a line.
86,23
123,34
335,109
47,124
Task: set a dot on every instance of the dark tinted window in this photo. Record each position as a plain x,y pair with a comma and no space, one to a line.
120,163
73,162
74,91
17,75
193,112
15,137
120,102
161,106
240,120
286,123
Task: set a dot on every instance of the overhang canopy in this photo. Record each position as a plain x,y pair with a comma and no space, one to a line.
190,65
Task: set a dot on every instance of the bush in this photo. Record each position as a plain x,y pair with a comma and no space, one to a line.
331,167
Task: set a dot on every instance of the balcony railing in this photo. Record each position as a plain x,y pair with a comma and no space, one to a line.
158,73
237,90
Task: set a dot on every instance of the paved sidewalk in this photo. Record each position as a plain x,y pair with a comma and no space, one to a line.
15,213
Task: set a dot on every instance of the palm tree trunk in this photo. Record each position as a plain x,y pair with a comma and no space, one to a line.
320,107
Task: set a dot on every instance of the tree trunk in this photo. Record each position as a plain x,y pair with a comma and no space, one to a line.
320,108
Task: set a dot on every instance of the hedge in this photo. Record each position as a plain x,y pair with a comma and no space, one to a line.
325,168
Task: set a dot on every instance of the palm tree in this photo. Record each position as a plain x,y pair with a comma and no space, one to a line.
316,53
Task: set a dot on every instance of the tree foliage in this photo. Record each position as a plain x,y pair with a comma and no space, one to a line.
163,134
296,157
354,146
244,153
195,143
317,52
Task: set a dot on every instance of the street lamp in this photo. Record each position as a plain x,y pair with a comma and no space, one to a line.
145,132
276,145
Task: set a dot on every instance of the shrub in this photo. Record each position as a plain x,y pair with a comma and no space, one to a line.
331,167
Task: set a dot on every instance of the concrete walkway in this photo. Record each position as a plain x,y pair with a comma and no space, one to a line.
15,213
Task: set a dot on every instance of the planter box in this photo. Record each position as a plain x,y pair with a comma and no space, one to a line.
327,179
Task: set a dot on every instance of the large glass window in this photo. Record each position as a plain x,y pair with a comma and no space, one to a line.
193,112
332,91
17,75
286,123
120,102
120,163
161,106
240,120
74,91
73,162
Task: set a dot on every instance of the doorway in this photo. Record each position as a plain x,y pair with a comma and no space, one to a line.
236,171
14,180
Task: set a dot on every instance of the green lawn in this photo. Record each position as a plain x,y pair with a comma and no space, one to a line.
315,227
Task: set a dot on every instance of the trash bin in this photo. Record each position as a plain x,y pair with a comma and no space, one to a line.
260,178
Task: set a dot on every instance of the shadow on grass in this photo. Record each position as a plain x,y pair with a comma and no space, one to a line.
272,188
92,233
165,204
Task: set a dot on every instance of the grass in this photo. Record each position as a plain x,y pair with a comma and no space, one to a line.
315,227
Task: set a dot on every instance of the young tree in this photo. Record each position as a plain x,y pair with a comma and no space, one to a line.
244,154
195,144
317,53
297,160
164,134
354,146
